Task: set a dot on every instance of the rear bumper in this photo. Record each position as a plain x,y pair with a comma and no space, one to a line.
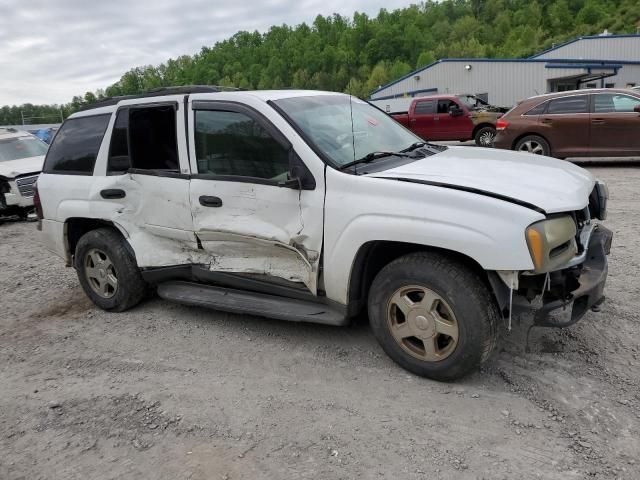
562,312
503,140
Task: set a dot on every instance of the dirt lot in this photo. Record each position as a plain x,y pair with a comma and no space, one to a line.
171,392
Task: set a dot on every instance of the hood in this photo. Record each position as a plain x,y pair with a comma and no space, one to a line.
491,109
531,180
13,168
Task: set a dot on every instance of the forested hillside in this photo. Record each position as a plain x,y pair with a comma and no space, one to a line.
358,54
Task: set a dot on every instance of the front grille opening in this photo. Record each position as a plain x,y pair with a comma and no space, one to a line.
25,184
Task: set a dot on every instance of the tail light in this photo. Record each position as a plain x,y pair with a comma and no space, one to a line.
36,202
501,124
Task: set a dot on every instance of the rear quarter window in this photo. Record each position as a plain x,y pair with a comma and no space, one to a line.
425,107
537,110
75,146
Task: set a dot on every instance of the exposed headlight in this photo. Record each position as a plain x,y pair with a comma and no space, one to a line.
552,243
598,200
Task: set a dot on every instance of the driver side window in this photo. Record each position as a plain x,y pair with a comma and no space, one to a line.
234,144
445,105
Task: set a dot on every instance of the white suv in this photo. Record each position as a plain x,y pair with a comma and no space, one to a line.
21,158
314,206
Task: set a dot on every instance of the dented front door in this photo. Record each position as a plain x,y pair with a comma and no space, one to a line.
243,219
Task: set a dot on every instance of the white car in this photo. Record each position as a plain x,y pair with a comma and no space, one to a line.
21,158
315,206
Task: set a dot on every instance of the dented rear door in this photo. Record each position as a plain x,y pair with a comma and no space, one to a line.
243,219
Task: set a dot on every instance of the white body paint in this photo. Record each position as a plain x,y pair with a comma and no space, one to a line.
286,233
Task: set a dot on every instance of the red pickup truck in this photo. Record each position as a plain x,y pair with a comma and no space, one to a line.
452,117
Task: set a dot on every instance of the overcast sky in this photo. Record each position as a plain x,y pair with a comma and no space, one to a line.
52,50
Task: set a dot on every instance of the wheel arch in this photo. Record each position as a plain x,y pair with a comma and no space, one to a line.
76,227
373,256
477,128
520,137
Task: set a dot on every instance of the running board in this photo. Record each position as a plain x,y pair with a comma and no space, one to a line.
261,304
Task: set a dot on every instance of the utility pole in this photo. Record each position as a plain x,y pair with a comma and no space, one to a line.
22,115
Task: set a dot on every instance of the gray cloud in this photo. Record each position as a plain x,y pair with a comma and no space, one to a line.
50,51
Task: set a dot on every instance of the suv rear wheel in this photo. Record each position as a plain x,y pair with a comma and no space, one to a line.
433,316
533,144
107,271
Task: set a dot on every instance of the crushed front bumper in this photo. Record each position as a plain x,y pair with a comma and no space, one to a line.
566,308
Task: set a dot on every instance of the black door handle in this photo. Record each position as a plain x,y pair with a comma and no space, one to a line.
111,193
207,201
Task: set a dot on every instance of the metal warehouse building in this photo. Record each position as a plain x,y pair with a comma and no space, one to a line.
585,62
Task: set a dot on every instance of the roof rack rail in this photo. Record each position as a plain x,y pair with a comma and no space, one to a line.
160,91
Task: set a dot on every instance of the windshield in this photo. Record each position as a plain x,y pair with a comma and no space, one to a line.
471,101
326,121
21,147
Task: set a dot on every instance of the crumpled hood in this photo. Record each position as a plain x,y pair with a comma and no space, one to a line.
13,168
549,184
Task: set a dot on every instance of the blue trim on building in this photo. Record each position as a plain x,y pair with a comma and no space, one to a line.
586,37
593,63
582,66
409,93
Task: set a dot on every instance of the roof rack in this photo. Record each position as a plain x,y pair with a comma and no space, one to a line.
159,92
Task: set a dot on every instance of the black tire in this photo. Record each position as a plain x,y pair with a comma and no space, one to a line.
473,306
131,288
533,144
485,136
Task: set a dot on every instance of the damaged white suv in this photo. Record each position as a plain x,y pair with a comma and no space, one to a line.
21,157
313,206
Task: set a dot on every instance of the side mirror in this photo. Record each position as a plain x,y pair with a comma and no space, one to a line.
119,163
300,178
293,182
637,108
455,111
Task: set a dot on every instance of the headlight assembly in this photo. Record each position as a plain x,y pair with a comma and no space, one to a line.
552,243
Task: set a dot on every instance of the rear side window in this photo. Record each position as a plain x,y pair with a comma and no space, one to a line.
575,104
425,107
75,147
119,142
538,109
119,159
153,138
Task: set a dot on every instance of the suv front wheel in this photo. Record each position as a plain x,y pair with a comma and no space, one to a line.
107,272
433,315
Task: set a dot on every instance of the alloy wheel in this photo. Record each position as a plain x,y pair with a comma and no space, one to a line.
422,323
100,273
532,146
487,138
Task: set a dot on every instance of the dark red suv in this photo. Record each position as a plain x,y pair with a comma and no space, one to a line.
578,123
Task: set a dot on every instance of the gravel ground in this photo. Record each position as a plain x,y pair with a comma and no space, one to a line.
171,392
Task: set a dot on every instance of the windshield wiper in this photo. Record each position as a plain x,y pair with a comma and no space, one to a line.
413,147
370,157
